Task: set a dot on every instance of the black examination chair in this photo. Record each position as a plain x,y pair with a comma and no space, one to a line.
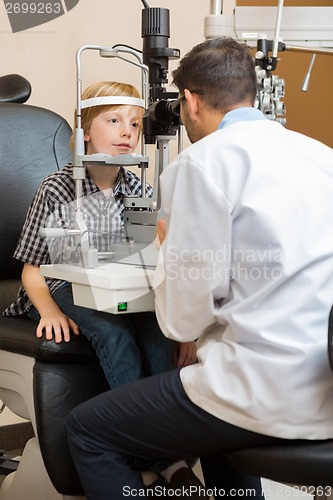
40,380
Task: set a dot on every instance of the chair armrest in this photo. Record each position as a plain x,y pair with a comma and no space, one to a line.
58,388
18,335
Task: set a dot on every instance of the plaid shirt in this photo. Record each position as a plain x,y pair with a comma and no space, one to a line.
53,206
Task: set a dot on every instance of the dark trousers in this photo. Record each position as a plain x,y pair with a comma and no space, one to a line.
136,426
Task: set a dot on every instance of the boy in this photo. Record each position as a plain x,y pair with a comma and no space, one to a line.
128,346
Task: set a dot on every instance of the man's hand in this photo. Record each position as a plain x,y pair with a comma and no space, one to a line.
161,230
186,354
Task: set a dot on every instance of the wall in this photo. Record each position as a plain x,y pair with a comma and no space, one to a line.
45,55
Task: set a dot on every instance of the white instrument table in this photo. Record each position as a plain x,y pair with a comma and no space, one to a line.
120,287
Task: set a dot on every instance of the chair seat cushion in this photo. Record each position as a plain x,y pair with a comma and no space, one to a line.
306,463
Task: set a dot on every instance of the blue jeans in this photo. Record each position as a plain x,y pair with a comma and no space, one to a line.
129,346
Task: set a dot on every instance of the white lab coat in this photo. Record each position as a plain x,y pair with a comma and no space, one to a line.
247,268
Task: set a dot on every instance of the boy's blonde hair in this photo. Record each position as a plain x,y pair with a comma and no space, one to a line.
103,89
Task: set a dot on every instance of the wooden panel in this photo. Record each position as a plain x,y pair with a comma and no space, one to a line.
308,112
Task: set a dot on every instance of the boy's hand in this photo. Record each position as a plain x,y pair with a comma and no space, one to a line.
53,322
57,326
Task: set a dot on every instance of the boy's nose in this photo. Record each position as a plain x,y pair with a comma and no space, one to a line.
126,132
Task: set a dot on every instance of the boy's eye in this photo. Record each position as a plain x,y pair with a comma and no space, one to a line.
113,120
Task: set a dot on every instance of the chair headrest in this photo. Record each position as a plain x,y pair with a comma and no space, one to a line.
14,88
34,142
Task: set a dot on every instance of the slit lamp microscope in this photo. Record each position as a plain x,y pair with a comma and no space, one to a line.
120,281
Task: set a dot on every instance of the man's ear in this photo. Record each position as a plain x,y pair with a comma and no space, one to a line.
193,104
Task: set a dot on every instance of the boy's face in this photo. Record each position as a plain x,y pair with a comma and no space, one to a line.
115,131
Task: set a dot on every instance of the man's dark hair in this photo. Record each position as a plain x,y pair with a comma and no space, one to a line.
222,70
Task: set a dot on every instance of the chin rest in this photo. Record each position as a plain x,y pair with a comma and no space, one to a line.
40,380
